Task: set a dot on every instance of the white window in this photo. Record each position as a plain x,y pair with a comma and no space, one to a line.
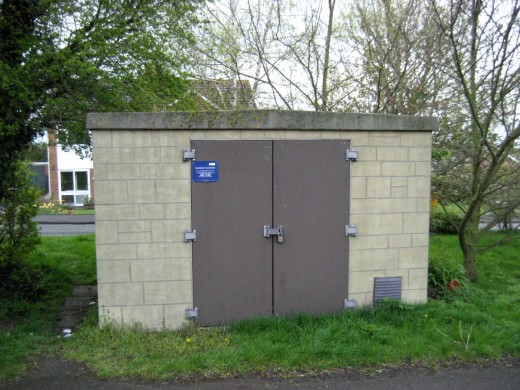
74,187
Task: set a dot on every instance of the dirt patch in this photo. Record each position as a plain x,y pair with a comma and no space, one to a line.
77,307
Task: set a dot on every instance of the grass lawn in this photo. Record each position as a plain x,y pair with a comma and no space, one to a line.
480,322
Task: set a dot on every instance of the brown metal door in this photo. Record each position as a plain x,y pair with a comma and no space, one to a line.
299,185
310,201
232,262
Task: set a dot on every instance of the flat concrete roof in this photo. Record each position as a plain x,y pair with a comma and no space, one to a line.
258,119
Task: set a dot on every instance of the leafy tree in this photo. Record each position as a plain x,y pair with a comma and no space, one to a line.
62,58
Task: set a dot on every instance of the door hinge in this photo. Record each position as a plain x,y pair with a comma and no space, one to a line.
190,235
188,154
350,230
192,313
351,155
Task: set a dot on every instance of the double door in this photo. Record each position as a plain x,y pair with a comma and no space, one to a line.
270,229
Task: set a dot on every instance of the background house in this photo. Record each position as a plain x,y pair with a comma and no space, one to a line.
63,176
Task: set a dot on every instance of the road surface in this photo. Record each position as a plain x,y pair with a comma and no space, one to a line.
65,225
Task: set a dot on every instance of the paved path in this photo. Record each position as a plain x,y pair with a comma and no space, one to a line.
65,224
53,373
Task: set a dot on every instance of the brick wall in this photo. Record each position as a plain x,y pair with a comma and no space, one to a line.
143,202
53,167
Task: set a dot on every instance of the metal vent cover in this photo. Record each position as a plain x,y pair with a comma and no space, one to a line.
387,287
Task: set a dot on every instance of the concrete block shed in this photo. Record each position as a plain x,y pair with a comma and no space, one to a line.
228,215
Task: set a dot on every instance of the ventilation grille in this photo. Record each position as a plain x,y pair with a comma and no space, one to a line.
389,287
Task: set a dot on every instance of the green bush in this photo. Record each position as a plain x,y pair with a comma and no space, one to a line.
18,233
26,282
444,222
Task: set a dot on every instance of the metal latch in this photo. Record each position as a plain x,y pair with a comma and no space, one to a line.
277,231
192,313
188,155
351,155
350,230
190,235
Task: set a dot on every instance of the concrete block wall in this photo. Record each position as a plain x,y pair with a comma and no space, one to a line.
390,200
143,193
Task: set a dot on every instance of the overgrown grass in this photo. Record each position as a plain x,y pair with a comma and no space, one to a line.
29,328
481,322
394,333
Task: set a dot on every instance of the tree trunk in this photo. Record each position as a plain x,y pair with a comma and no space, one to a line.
469,239
470,263
324,87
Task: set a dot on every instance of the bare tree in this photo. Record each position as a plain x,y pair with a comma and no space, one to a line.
287,50
233,42
484,64
456,59
399,57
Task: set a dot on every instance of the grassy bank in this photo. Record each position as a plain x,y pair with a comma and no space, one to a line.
480,322
393,334
28,328
476,322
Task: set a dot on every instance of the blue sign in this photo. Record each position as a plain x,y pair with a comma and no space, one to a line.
205,171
